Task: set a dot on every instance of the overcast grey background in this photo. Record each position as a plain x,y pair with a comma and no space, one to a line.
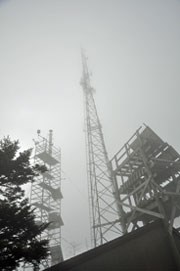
133,50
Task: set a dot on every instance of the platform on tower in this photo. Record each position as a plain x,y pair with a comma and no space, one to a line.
147,173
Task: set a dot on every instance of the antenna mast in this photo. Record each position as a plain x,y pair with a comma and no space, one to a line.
46,196
104,213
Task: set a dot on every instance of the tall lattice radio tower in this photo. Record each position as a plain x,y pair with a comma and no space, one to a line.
46,195
140,184
104,212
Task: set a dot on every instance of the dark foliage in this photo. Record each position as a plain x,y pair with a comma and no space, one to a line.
18,232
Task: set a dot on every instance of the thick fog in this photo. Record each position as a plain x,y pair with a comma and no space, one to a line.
133,51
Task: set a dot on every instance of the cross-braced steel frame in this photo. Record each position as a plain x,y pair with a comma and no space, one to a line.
147,173
103,209
46,196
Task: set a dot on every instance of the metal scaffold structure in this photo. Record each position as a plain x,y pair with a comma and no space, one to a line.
104,212
147,172
46,196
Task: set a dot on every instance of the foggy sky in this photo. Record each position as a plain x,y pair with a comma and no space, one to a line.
133,51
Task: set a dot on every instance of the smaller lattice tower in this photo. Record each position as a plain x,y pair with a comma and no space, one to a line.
46,195
104,212
147,172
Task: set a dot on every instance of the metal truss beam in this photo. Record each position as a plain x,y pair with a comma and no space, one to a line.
147,172
102,192
46,197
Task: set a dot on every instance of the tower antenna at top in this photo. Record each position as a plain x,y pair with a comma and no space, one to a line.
104,213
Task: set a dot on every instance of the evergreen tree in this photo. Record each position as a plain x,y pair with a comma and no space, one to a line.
18,231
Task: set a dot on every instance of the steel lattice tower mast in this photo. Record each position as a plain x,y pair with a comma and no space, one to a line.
104,213
46,196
